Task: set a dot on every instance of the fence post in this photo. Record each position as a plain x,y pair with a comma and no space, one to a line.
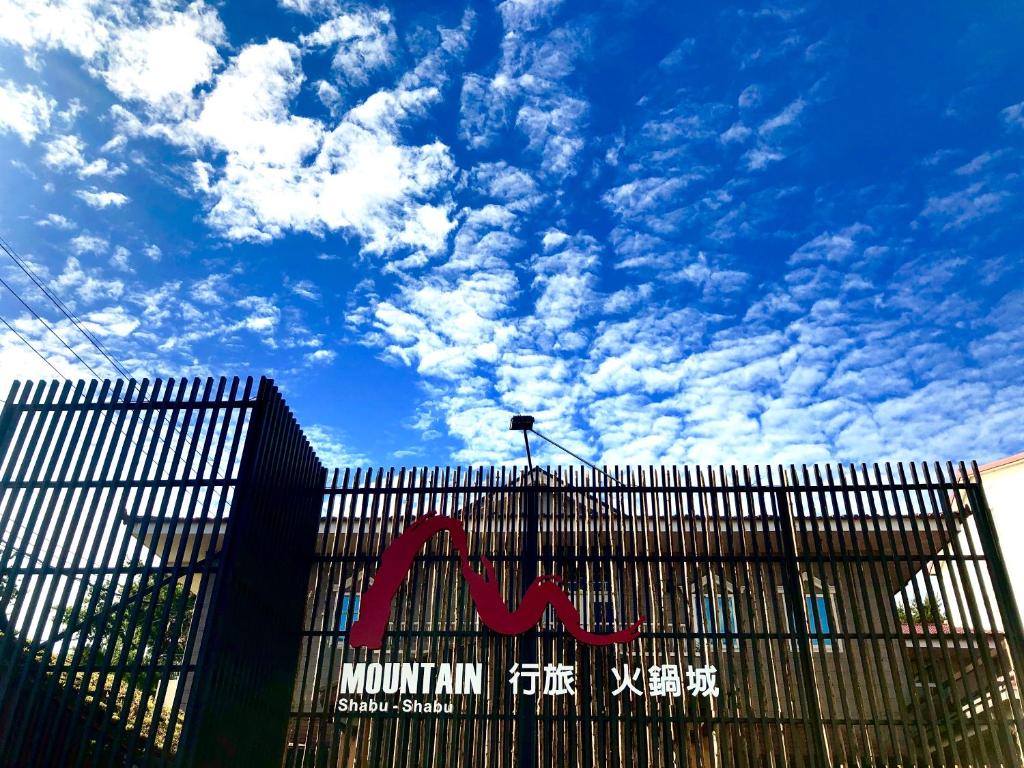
8,417
246,674
527,720
798,626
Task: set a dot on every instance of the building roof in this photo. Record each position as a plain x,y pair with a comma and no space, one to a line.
1003,462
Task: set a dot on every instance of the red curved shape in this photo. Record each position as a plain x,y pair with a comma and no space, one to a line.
396,562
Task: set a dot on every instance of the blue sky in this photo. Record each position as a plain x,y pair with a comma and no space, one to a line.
674,232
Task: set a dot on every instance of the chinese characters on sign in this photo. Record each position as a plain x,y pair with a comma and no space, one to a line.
662,680
559,679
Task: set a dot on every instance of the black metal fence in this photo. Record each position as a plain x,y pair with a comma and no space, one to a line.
154,545
167,598
848,615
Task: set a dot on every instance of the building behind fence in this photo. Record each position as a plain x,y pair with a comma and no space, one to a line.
180,583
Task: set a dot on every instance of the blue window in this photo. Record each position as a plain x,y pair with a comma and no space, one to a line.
719,615
349,612
817,619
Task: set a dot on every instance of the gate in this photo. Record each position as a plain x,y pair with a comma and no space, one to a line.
154,546
799,616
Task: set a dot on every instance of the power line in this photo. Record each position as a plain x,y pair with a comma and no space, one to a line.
46,325
57,302
28,344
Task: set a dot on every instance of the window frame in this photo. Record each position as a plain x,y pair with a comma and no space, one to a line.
345,611
705,595
822,591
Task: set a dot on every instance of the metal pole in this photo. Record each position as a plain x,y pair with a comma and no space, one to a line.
527,707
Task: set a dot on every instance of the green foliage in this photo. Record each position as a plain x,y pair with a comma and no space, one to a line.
108,628
928,611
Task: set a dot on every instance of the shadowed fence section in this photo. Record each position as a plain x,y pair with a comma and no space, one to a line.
850,615
140,622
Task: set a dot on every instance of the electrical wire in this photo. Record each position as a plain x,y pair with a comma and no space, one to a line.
47,326
77,322
25,267
578,458
28,344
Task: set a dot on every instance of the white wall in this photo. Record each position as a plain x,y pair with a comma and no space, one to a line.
1003,482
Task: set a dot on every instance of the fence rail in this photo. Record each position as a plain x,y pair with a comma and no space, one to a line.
119,506
853,615
179,585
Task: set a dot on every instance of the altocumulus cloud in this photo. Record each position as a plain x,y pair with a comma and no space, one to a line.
662,249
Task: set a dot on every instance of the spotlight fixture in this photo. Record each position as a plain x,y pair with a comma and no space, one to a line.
525,423
520,421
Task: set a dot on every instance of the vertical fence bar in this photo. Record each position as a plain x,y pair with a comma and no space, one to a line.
102,524
798,626
527,707
715,560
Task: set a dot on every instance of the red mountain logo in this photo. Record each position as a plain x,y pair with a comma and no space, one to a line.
396,562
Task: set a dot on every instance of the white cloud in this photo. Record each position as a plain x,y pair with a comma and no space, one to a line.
530,84
750,97
310,7
161,61
211,290
786,117
284,172
305,289
102,199
485,108
83,28
507,184
321,357
522,15
24,364
1014,114
555,129
835,247
963,206
331,448
363,39
761,157
329,95
735,132
246,114
56,221
566,275
446,327
89,244
88,284
147,53
121,259
25,112
65,153
644,196
976,164
263,314
111,322
264,169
